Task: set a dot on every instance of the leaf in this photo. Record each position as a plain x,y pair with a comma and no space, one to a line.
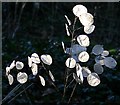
51,76
69,22
12,65
70,63
42,80
110,62
93,79
98,68
34,69
47,59
10,79
86,19
89,29
83,56
66,27
19,65
79,9
83,40
35,58
97,49
29,61
22,77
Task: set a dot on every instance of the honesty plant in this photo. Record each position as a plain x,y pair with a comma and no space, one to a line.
77,52
33,63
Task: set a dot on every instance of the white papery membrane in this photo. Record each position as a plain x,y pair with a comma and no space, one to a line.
93,79
97,49
83,56
42,80
22,77
79,9
70,62
47,59
83,40
10,79
19,65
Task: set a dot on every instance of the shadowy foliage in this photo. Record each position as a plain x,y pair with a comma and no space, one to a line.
39,27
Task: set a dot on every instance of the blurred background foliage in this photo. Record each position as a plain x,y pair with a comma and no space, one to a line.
39,27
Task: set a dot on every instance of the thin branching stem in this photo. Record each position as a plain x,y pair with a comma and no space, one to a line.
67,74
11,92
70,83
20,92
27,96
51,79
72,93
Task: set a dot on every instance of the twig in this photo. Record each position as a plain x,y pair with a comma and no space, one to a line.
11,92
20,92
27,96
19,20
51,79
70,83
72,93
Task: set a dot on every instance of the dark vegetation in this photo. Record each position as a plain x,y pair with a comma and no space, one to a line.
39,27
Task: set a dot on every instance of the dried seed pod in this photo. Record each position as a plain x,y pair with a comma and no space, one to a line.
47,59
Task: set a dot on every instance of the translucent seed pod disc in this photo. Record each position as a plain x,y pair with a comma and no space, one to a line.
83,56
93,79
70,63
79,9
110,62
83,40
98,68
22,77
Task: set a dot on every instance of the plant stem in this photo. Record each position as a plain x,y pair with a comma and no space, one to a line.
72,93
20,92
51,79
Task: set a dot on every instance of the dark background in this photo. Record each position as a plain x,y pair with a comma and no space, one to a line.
39,27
